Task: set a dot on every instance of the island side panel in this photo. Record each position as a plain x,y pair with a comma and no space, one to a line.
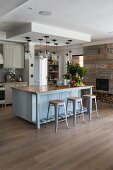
22,104
29,104
42,103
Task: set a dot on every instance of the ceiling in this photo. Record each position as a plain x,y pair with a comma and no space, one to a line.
93,18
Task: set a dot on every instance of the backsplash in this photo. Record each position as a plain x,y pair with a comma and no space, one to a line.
17,72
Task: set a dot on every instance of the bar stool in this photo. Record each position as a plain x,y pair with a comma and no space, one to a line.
75,101
57,104
90,99
3,103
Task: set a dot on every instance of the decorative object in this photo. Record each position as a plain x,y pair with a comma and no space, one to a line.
76,73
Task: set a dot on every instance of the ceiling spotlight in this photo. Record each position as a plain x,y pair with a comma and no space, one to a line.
29,8
45,13
110,32
27,38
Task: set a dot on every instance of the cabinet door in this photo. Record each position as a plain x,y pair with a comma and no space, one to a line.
8,57
18,56
8,90
8,93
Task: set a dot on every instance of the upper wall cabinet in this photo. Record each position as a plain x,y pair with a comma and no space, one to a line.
13,56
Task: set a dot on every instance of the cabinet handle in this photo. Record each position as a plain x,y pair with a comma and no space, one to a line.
31,75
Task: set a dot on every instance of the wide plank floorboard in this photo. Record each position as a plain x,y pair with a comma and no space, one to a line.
87,146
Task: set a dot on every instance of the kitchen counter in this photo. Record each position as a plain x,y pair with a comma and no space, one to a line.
31,102
13,82
8,89
45,89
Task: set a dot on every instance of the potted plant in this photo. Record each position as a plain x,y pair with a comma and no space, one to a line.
67,76
77,73
82,71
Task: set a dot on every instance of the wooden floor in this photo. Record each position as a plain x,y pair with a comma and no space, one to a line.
88,146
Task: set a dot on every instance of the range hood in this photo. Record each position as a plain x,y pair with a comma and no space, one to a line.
1,58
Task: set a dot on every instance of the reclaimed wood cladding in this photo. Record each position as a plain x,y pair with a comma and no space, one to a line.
99,61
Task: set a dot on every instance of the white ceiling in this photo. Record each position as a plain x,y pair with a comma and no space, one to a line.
86,16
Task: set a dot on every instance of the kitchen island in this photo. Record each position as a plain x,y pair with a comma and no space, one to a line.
31,102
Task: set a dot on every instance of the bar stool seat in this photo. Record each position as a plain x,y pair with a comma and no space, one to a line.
3,103
89,98
75,101
57,104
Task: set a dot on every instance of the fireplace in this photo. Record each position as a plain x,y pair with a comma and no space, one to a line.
102,84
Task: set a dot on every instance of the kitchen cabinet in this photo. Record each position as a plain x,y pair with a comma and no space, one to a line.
53,70
8,90
53,73
13,56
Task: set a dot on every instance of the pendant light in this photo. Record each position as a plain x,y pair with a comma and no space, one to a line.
67,44
27,50
70,41
46,52
54,46
70,52
56,55
40,54
67,56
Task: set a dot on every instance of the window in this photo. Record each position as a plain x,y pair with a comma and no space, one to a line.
78,59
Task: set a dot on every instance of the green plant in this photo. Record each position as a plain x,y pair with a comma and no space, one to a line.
73,69
82,71
76,70
67,76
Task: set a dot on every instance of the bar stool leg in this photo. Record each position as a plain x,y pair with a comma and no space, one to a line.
82,111
66,105
56,117
74,113
47,114
65,111
96,107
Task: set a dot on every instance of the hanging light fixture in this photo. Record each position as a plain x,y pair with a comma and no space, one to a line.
67,55
67,44
54,46
54,55
40,54
70,52
46,54
70,41
27,50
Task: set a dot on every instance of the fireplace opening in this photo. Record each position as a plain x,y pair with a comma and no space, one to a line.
102,84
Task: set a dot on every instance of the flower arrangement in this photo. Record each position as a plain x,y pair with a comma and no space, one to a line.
72,82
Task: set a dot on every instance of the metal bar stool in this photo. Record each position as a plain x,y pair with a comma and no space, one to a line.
90,99
75,101
57,104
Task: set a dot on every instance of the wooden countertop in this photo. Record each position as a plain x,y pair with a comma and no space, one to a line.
45,89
